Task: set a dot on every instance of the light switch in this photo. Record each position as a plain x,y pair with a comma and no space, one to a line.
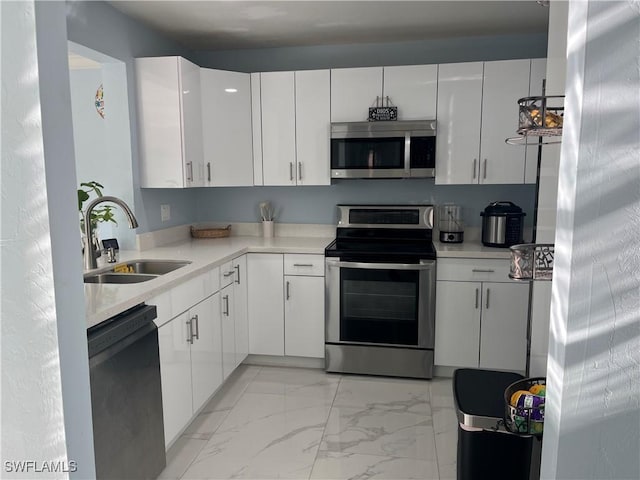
165,212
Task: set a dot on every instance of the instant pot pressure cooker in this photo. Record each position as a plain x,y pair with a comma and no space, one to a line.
502,224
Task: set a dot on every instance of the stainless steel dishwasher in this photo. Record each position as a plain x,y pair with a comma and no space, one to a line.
126,396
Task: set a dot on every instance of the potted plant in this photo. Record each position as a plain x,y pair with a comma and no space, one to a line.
103,213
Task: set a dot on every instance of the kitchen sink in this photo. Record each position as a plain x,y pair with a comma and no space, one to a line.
150,267
109,277
134,271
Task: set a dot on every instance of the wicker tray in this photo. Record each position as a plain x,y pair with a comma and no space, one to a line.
218,232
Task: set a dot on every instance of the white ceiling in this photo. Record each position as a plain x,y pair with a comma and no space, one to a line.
234,24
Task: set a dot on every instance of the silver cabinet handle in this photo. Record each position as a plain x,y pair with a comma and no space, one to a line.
487,303
299,170
303,264
474,168
287,285
226,304
482,270
237,267
291,171
189,331
229,273
197,334
484,169
190,171
477,296
209,171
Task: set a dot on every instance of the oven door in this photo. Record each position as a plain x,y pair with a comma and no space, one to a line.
380,303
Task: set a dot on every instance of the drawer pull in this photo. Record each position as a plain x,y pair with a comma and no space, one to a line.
303,264
228,274
482,270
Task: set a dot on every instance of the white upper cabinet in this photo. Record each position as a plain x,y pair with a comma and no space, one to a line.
312,94
477,111
538,74
277,91
291,138
170,122
226,128
459,113
504,83
413,89
353,91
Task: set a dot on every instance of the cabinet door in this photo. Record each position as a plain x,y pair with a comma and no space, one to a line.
175,372
278,128
226,126
312,127
266,303
413,89
304,316
504,83
193,160
159,122
228,331
538,74
503,342
256,128
206,350
459,113
458,307
353,91
241,319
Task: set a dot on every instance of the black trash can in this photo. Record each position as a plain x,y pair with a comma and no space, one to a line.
485,449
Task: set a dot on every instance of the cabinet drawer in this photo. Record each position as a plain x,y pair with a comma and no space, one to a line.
305,264
473,270
227,274
187,294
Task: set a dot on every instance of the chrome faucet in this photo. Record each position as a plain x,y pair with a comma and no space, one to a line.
90,253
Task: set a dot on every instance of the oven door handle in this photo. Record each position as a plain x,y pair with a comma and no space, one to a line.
423,265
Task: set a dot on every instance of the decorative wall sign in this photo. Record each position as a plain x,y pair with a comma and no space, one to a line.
99,102
383,112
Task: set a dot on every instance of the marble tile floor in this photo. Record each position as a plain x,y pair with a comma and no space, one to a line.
294,423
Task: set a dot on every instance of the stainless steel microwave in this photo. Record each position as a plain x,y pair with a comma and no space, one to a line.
394,149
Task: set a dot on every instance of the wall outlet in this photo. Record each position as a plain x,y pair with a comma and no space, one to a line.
165,213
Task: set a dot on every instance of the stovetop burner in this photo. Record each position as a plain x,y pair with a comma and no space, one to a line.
382,233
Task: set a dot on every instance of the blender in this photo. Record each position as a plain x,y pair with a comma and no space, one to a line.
450,223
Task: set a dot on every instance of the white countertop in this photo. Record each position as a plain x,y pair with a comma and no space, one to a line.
470,249
103,301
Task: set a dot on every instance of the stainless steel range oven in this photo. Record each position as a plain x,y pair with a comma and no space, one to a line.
380,291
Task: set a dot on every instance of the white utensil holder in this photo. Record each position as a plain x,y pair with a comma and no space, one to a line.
267,228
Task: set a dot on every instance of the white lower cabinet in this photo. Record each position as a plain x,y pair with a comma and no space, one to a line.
240,312
190,363
286,304
266,305
304,316
228,331
480,322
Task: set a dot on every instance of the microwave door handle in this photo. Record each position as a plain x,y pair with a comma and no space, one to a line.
425,265
407,154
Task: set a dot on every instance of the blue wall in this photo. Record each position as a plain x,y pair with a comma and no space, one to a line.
317,204
99,26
